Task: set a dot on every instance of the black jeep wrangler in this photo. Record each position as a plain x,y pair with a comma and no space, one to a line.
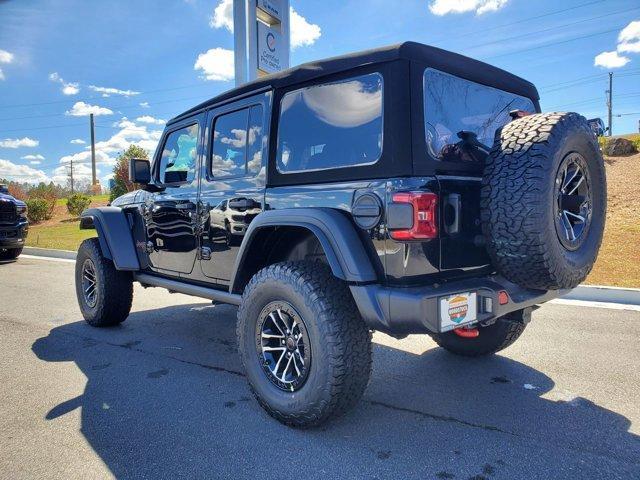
405,189
14,225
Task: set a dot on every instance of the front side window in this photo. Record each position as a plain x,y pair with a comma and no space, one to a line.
179,155
461,117
333,125
237,143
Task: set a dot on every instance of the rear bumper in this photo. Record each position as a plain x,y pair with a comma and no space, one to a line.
13,236
402,311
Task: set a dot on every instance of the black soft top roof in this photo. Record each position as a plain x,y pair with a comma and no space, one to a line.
437,58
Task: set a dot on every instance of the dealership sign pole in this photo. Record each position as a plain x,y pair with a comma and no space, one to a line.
261,38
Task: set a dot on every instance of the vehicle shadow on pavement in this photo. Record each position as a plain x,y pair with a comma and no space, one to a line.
165,397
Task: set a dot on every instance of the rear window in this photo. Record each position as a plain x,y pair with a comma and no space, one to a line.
333,125
461,117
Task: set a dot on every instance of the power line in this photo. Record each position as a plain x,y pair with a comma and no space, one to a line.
556,43
121,107
557,27
98,97
527,19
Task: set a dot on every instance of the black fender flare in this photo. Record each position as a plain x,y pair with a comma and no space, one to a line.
338,237
114,234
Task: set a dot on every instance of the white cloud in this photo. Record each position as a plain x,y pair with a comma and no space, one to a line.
6,57
35,162
22,173
151,120
144,104
444,7
628,42
68,88
32,157
81,109
19,142
222,15
77,141
216,64
302,32
108,91
610,60
629,38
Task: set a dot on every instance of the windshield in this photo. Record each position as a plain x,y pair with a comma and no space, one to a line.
461,117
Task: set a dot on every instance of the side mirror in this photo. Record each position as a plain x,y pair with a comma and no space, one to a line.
140,171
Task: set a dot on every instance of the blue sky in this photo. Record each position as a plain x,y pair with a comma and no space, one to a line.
135,63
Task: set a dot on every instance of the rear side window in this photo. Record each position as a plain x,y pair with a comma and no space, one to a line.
237,143
179,155
333,125
461,117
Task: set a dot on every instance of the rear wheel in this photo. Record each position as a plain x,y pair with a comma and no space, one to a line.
305,349
104,293
491,339
10,253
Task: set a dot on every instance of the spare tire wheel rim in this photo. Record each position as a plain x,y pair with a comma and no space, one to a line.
89,283
283,346
573,205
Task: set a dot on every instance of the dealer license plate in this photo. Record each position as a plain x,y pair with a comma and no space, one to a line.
457,309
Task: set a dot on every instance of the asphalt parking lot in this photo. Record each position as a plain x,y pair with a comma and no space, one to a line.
163,396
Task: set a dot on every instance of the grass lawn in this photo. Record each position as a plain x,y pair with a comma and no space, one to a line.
64,236
99,199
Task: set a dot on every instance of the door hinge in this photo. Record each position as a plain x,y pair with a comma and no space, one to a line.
205,253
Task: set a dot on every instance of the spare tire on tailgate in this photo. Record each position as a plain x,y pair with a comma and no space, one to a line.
543,200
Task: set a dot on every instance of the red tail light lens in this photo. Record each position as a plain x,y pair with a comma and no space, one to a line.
424,216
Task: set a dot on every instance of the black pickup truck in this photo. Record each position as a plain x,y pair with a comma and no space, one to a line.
14,225
404,189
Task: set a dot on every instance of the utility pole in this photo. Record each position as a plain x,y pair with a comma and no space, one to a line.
71,175
93,151
610,103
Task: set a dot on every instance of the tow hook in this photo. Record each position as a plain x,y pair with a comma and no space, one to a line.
465,332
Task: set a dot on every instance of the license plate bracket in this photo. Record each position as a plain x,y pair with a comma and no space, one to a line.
458,309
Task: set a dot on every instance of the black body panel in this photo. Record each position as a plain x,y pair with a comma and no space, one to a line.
114,234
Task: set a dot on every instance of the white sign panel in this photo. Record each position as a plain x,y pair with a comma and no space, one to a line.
272,7
270,49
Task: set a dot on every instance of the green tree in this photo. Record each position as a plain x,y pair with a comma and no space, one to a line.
122,184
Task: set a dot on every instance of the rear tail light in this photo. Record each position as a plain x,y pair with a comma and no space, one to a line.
424,216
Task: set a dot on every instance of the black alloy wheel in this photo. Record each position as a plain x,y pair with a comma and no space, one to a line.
573,201
283,346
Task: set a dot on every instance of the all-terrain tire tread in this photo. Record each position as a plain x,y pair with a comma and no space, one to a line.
346,338
513,206
116,295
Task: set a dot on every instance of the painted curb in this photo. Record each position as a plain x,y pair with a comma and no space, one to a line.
49,252
599,293
585,293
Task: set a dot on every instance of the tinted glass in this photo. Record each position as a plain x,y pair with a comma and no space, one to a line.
229,144
461,117
179,155
256,139
331,126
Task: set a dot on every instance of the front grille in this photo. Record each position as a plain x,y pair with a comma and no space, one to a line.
7,212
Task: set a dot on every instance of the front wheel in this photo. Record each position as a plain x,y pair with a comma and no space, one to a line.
305,349
104,293
491,339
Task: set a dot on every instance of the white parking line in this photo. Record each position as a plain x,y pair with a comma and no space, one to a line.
52,259
585,303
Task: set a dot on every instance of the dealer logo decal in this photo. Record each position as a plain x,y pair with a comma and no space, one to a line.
458,308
